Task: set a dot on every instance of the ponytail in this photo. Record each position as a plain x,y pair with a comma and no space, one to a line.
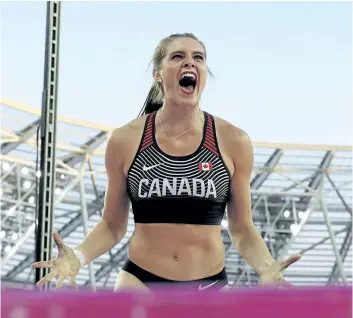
154,100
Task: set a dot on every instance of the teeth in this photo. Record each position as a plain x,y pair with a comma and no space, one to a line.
189,75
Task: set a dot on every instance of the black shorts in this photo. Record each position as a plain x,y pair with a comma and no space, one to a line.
215,282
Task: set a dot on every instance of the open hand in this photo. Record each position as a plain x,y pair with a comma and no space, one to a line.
273,275
65,266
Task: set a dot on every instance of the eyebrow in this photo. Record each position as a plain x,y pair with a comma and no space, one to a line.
182,52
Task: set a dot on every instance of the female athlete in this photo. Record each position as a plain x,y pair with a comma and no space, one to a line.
179,167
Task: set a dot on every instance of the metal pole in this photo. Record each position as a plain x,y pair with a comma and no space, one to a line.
294,236
349,210
31,228
44,218
266,233
19,202
85,221
322,204
269,228
23,239
294,210
343,252
333,240
282,194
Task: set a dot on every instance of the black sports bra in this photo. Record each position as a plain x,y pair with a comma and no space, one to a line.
192,189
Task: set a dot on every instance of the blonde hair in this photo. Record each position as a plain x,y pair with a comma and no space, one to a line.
155,97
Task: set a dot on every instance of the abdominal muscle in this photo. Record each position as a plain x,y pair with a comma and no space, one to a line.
180,252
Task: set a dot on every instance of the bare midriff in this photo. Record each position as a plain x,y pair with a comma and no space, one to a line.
180,252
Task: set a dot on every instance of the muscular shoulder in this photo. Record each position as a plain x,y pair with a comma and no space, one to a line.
124,135
235,141
232,135
123,139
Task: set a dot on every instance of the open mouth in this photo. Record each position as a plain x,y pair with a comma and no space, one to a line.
188,83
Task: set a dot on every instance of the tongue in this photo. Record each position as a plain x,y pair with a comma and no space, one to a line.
189,89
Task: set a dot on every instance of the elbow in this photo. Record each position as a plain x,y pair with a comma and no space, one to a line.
119,233
240,234
117,229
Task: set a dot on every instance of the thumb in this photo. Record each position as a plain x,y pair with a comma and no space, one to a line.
290,261
58,241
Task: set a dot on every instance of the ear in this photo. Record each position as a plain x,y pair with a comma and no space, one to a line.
157,75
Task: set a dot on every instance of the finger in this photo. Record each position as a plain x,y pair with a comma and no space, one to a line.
60,282
266,284
285,283
73,283
46,279
44,264
290,261
58,240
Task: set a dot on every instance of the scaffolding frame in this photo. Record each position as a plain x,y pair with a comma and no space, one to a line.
301,203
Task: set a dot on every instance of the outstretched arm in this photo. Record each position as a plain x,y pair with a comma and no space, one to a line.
112,227
242,231
106,234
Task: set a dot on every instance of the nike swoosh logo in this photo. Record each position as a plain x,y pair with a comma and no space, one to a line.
144,168
208,286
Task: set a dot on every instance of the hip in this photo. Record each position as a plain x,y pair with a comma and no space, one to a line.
153,281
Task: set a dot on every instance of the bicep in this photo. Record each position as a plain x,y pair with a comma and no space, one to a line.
116,207
239,206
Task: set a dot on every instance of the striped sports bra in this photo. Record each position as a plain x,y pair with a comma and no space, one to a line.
192,189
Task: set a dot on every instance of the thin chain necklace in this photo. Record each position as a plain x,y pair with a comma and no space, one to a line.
177,136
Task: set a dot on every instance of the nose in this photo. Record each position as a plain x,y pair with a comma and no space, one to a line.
189,63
